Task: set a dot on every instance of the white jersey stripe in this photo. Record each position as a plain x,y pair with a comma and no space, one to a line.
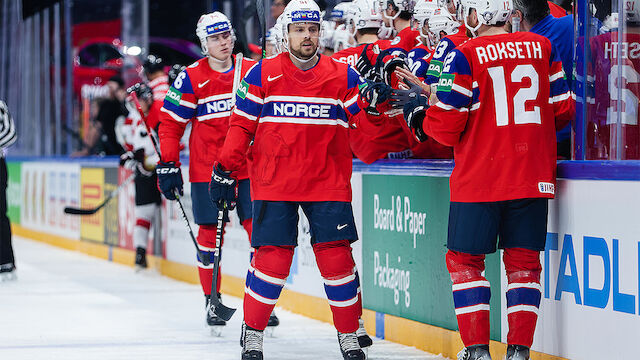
269,279
517,308
215,97
464,91
244,114
344,303
303,121
214,116
188,104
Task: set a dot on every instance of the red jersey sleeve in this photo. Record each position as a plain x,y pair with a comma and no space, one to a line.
446,120
560,96
178,109
244,119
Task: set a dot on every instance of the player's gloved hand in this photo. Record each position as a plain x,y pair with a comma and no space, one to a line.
127,160
400,98
222,187
414,113
365,68
169,179
373,95
390,64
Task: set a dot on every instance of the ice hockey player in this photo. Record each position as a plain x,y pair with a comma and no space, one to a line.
505,160
201,94
397,15
296,107
141,157
432,22
454,37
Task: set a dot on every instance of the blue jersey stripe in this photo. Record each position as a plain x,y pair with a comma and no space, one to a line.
472,296
523,296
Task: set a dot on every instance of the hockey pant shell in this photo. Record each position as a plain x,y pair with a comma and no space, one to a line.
207,243
523,270
471,295
145,216
268,274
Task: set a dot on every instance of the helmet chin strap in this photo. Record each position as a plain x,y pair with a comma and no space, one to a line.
304,61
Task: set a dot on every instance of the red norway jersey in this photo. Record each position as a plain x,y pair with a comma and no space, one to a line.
201,96
502,98
406,39
351,55
604,113
159,87
299,121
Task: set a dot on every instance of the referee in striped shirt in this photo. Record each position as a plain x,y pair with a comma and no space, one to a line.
7,138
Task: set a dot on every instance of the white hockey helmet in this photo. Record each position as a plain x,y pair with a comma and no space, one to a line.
489,12
299,11
328,28
339,12
632,11
401,5
442,21
211,24
341,38
363,15
422,12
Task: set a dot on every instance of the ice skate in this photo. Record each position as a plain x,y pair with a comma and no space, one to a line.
215,323
251,341
271,325
363,338
517,352
349,346
475,352
141,259
7,272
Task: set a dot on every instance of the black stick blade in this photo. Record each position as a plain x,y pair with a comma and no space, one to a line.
76,211
225,313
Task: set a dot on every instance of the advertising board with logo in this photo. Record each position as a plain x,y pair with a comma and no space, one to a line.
46,189
591,271
405,220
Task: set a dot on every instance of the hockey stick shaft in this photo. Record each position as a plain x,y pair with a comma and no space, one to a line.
203,259
219,309
112,194
263,26
237,71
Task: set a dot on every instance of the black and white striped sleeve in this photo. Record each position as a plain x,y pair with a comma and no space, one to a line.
7,128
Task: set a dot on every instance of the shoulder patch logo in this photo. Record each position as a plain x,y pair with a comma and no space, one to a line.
396,40
243,89
446,82
173,96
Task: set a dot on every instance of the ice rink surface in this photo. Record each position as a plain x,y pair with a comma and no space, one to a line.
67,305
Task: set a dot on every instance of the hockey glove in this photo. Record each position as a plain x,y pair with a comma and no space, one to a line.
375,94
127,161
169,179
414,113
365,68
400,98
390,64
222,187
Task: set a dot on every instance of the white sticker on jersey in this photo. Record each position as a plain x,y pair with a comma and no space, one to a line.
396,40
546,188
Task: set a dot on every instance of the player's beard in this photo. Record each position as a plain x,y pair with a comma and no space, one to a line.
305,55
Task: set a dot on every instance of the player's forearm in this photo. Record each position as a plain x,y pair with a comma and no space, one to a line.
233,153
170,132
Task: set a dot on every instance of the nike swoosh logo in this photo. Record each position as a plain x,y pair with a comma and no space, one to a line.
269,78
340,227
203,84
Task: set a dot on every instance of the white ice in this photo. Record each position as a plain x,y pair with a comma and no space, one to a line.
67,305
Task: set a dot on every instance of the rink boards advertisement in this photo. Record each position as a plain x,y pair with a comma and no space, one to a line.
590,279
591,272
405,221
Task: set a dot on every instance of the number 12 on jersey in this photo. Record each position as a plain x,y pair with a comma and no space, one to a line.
501,98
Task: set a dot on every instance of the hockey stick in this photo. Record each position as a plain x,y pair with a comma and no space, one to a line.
263,26
77,211
203,259
237,70
224,312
